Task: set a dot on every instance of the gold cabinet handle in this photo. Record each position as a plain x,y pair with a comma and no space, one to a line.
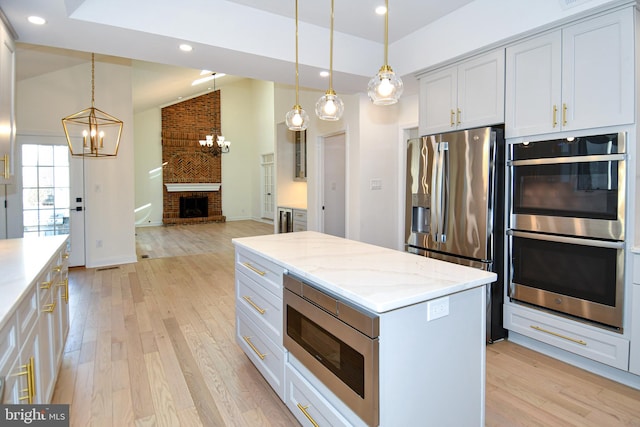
306,414
451,117
555,115
57,268
65,255
45,285
458,115
7,172
65,283
252,268
564,114
29,371
253,304
49,307
253,347
555,334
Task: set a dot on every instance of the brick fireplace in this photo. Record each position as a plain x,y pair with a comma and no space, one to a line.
189,173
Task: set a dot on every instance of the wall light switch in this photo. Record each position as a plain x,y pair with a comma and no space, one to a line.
376,184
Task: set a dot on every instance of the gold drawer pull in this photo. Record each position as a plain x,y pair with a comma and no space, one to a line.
65,283
555,334
45,285
253,304
306,414
253,347
458,114
57,268
555,115
65,255
50,307
29,371
255,270
451,116
564,114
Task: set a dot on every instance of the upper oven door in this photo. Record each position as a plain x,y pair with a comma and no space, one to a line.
572,187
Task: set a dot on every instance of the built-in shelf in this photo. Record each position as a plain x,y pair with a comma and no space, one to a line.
194,186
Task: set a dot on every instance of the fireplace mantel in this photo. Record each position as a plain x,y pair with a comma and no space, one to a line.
194,186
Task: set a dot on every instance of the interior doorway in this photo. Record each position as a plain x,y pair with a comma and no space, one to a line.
334,184
268,186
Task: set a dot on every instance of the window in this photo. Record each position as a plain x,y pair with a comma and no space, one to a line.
45,187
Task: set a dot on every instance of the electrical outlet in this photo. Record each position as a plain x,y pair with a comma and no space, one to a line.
437,308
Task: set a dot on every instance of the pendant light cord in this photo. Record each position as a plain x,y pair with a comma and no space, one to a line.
93,79
331,53
386,34
297,101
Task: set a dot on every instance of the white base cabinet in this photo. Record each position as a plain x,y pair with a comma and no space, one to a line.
572,336
634,352
33,335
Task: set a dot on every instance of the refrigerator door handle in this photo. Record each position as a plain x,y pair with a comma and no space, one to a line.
444,191
435,175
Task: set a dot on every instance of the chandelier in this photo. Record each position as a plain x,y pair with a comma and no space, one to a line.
92,132
221,145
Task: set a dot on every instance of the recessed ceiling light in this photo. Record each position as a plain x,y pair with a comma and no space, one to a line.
381,10
324,74
186,47
36,20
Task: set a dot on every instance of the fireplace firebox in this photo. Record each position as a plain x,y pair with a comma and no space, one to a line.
194,207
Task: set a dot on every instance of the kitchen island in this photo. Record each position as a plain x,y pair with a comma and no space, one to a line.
432,319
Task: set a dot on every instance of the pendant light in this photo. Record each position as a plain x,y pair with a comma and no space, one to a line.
92,132
385,87
330,106
297,119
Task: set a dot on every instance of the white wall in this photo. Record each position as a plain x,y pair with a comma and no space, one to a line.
41,103
148,167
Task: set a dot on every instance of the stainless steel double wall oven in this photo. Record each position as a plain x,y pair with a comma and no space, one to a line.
567,226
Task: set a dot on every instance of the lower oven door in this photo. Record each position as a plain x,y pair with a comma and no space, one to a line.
575,276
344,359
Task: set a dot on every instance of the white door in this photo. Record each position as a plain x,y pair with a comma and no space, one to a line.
76,211
268,190
334,183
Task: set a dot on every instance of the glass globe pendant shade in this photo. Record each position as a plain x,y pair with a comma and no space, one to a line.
329,106
385,88
297,119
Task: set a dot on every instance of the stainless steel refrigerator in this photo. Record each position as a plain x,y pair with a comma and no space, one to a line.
455,205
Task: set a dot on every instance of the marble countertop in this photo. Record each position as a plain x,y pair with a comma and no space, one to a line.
300,206
21,262
377,278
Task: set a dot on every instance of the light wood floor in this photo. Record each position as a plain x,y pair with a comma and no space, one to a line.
152,344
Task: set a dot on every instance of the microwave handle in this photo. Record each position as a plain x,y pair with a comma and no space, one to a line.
565,239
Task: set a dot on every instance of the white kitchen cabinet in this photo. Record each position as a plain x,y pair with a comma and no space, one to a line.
464,96
32,336
308,405
299,220
7,105
575,337
577,77
634,352
259,316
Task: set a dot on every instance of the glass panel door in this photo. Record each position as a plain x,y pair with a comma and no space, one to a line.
45,182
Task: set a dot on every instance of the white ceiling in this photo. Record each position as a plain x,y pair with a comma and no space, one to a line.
243,38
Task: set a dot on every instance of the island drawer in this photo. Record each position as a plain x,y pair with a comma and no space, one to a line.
568,335
263,307
268,357
264,272
307,404
27,314
8,346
